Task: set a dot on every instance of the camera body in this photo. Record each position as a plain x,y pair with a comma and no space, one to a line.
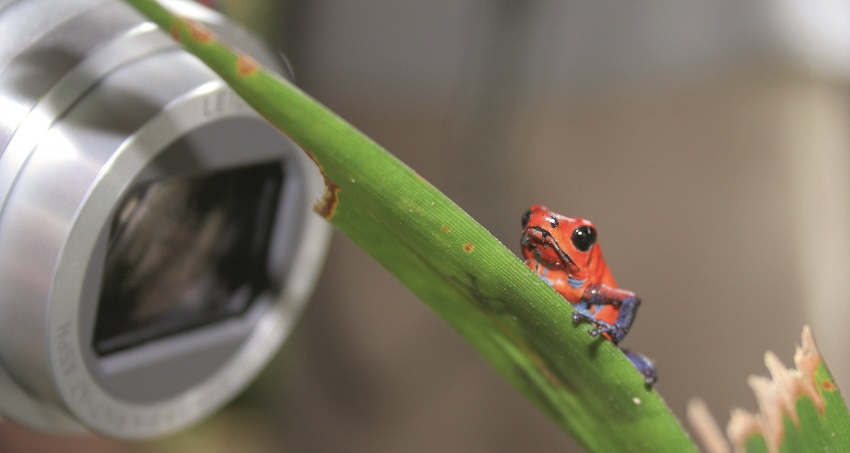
157,241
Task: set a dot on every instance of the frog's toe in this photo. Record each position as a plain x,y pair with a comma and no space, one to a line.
581,317
614,332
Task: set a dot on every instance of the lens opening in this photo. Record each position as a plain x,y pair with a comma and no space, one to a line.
186,252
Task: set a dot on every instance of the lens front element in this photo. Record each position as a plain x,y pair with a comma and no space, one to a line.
186,252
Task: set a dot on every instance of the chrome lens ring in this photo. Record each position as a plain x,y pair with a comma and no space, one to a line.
71,153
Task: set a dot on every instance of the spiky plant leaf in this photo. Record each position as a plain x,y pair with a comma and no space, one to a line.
800,410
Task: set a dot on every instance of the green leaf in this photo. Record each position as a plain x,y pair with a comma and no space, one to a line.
514,320
801,410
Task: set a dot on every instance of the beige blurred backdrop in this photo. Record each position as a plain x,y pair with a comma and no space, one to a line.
708,141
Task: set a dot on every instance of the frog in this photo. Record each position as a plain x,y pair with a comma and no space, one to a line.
564,252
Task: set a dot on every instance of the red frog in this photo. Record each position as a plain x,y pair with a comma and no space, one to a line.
564,253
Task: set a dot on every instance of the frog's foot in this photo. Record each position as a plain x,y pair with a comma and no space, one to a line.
615,333
643,365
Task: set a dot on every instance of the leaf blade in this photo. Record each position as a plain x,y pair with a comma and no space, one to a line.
519,324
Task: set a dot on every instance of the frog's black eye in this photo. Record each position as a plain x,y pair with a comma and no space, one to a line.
526,217
583,238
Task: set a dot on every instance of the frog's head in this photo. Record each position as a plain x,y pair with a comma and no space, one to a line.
557,241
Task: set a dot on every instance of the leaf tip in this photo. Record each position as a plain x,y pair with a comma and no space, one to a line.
807,358
706,427
742,426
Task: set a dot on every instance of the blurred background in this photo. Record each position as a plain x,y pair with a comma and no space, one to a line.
708,141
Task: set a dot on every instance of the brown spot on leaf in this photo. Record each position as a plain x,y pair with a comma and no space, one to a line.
326,206
246,65
312,157
175,32
200,33
468,247
828,385
446,229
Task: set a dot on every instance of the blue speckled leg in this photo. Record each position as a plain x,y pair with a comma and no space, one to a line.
598,295
643,365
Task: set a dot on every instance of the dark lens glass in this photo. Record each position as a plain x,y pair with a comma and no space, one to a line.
186,252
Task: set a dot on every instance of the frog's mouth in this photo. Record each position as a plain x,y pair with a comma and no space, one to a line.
535,237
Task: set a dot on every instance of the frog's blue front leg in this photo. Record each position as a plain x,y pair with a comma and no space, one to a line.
627,301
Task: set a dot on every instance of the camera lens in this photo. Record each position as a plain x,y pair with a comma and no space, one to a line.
186,252
157,241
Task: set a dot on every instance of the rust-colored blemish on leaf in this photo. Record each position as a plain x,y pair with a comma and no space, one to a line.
246,65
446,229
313,158
468,247
200,33
827,385
326,206
175,32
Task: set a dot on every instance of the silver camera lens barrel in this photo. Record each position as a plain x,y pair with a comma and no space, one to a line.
157,241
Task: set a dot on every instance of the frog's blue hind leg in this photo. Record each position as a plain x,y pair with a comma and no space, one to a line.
643,365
